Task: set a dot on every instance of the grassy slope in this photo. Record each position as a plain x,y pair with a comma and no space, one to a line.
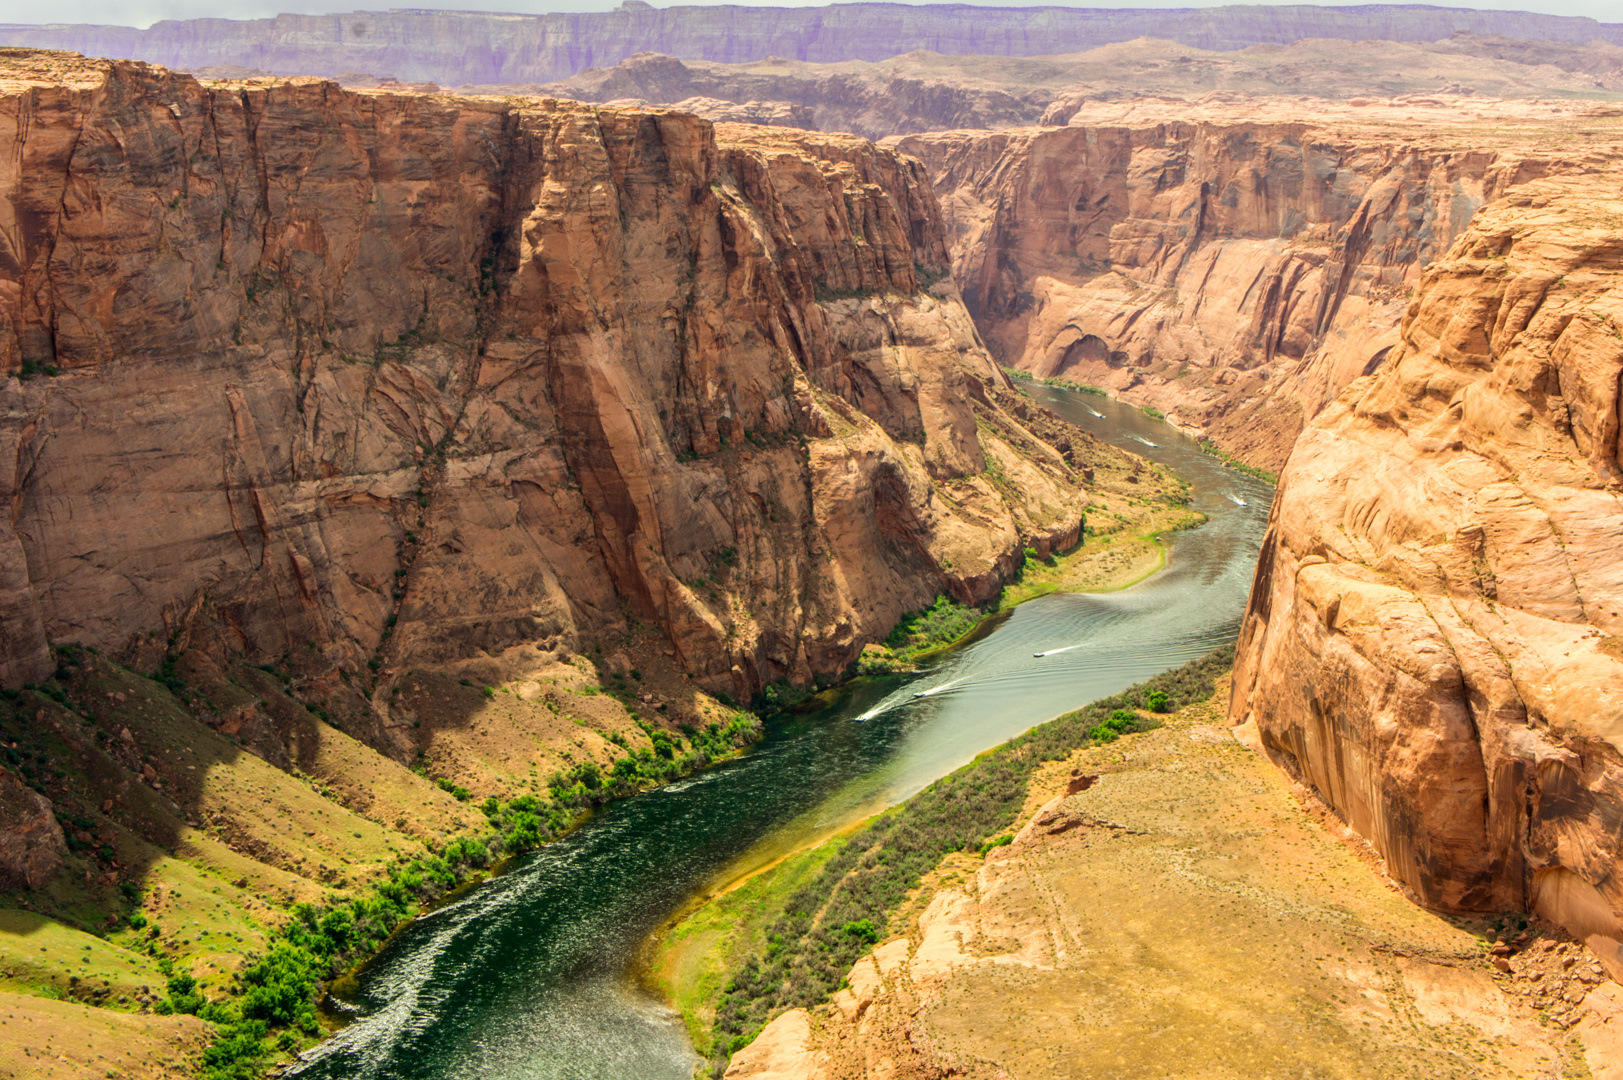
188,852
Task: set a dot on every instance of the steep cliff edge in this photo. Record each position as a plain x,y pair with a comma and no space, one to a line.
388,380
1435,638
1233,264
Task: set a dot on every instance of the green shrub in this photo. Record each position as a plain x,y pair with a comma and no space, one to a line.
940,624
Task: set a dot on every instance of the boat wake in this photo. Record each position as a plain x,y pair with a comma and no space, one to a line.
1142,439
1237,501
934,690
1100,415
1051,652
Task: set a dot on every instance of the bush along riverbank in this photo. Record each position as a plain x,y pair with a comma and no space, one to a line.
828,923
272,1008
1209,447
1060,384
1123,555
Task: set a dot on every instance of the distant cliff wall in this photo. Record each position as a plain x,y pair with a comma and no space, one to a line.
1236,275
456,48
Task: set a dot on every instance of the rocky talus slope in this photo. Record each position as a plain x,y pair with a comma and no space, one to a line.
1435,639
458,47
396,379
1233,263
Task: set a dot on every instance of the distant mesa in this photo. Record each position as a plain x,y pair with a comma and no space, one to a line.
456,48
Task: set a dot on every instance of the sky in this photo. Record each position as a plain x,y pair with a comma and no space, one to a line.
146,12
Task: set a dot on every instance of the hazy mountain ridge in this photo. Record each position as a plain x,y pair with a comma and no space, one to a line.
457,48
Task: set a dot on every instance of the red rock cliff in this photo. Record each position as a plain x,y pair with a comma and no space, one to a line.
408,378
1435,637
1234,272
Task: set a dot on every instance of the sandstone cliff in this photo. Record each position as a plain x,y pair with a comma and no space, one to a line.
455,47
1231,263
386,380
1435,638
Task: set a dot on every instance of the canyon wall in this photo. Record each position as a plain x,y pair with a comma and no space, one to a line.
1435,638
456,48
1234,273
399,380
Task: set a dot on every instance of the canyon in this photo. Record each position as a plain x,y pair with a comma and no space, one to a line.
419,443
1231,263
320,368
373,450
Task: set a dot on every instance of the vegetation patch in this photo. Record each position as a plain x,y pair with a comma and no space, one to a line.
697,957
1209,447
273,1005
828,923
1060,384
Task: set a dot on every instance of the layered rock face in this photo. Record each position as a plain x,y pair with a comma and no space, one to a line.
917,93
1237,274
400,379
456,48
1435,637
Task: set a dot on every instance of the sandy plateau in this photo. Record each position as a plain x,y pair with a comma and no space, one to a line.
1190,913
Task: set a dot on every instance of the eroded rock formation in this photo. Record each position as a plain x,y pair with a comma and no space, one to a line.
1435,638
402,379
1235,273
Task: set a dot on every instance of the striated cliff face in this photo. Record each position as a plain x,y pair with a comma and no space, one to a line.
457,48
1235,273
404,379
1435,637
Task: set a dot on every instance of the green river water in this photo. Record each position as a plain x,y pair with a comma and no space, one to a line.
532,974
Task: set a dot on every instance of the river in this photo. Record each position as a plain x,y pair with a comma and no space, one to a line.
531,975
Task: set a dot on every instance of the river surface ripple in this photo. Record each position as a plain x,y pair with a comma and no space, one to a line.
532,974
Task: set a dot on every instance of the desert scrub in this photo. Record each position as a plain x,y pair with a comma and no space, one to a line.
812,945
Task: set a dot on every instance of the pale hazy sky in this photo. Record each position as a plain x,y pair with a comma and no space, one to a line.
145,12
